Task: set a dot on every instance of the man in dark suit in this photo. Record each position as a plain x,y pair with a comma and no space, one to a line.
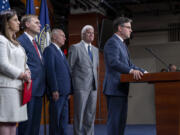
31,26
59,83
117,62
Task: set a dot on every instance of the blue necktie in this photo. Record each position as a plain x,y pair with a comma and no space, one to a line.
127,53
61,53
90,53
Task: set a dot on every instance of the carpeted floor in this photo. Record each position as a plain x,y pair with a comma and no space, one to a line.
130,130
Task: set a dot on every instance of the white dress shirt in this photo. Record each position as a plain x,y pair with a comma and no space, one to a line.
31,39
86,45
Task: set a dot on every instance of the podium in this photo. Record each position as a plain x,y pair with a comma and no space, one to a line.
167,99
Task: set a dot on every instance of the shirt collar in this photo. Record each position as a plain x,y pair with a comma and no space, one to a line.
86,45
29,36
56,46
119,37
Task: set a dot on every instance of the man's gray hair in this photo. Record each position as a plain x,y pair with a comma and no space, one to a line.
54,31
83,30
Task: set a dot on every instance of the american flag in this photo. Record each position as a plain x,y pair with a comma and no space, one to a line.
4,5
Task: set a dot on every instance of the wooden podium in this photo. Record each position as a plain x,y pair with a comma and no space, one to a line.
167,100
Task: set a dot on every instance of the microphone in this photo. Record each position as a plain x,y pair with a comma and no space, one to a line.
157,57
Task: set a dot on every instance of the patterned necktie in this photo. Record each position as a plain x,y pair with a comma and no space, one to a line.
90,53
35,46
129,61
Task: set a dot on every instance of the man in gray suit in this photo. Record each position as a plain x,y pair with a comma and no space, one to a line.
83,60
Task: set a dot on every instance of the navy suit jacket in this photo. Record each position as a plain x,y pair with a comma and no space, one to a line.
57,71
35,64
117,62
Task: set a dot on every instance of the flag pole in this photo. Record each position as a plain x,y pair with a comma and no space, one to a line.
45,127
44,40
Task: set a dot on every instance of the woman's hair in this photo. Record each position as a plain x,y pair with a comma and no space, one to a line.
5,16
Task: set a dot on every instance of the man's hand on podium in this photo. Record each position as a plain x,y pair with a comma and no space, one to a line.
137,75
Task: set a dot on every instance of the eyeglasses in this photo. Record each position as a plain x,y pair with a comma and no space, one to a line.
128,27
89,32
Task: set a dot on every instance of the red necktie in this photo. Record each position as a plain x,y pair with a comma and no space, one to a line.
35,46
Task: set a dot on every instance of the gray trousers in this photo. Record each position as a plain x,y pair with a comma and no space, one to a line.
84,112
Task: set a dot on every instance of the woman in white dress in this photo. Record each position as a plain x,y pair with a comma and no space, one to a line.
13,71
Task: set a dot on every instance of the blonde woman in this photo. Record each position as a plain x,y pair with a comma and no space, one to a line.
13,71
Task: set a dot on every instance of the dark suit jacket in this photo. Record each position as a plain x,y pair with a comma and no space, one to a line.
35,64
57,71
117,62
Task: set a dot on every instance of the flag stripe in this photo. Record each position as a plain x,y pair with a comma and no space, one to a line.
30,7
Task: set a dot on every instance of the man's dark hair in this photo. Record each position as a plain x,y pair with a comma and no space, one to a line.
120,21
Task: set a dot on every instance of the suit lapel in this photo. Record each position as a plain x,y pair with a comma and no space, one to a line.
57,51
124,47
29,44
63,58
31,47
84,51
127,52
94,55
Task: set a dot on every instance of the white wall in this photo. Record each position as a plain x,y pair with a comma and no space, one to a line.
141,97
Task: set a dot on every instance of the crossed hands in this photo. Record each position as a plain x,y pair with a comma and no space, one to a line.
25,76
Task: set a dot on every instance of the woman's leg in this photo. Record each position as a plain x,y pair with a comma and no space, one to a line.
7,128
4,129
13,129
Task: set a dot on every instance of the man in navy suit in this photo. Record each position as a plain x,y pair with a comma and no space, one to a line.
58,83
31,26
117,62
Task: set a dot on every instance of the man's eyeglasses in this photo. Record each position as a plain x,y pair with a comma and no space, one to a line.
128,27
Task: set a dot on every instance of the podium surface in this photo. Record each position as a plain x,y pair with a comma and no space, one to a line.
167,99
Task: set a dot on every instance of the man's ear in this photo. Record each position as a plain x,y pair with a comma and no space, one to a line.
119,28
27,24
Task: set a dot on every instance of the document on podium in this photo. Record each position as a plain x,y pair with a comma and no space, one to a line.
27,92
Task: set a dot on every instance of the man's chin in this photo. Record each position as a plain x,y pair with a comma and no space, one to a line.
91,40
37,32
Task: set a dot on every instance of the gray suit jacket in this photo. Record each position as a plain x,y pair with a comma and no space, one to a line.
83,70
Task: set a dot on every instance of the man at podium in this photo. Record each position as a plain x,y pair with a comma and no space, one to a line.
117,62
